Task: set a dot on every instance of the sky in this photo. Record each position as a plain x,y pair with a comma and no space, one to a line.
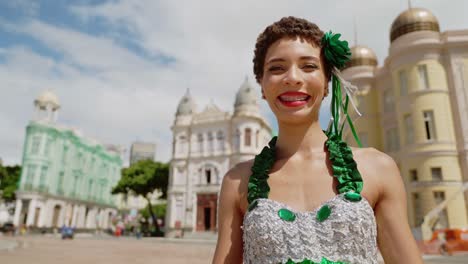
120,67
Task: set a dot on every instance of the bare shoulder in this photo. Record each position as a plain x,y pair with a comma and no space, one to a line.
236,181
373,158
240,172
379,171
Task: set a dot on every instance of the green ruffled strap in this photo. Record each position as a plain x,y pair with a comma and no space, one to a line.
258,185
308,261
344,166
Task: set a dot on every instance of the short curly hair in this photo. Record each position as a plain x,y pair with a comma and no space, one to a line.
287,27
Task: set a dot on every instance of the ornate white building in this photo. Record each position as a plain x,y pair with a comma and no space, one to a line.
205,146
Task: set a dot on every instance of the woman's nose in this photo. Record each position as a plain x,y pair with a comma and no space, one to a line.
293,77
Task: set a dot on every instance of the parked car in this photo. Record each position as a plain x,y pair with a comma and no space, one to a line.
67,232
8,228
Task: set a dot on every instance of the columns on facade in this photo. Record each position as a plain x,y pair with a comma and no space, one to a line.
18,209
31,213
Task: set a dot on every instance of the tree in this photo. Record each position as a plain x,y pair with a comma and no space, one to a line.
9,178
143,178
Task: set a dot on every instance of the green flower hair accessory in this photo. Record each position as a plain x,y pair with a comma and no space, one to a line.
336,51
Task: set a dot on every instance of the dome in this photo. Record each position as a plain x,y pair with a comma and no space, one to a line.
186,105
361,56
411,20
47,97
246,95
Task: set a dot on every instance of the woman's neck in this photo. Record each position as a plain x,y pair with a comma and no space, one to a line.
302,140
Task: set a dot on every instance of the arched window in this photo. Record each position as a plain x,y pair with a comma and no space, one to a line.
248,137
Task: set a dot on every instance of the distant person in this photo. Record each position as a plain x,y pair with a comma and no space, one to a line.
308,197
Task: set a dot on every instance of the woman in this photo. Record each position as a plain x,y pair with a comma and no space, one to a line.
308,198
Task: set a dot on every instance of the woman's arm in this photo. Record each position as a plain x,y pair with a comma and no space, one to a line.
229,245
396,242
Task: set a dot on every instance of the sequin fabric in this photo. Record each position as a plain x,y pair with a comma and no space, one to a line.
348,235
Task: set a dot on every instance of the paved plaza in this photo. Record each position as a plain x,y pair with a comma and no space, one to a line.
103,250
52,250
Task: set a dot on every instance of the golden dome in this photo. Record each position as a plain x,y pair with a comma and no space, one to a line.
411,20
361,56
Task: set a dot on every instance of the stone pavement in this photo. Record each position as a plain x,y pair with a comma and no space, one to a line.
105,249
53,250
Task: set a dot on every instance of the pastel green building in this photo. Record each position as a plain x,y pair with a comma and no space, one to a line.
66,178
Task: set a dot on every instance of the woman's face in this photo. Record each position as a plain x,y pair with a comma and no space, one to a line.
293,81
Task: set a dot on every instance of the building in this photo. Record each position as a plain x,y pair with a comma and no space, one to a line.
142,151
66,178
206,145
415,108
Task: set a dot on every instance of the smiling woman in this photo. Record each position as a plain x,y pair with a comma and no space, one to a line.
303,198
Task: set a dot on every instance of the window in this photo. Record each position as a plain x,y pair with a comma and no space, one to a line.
208,176
388,101
417,207
43,176
64,156
439,197
35,145
220,139
60,183
409,132
90,188
436,174
413,175
46,146
392,140
210,142
429,125
31,174
423,77
403,77
181,144
257,138
237,137
248,137
200,142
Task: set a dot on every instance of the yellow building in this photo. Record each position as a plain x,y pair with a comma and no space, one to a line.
415,108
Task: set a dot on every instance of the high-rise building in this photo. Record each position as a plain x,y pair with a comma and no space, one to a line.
66,178
205,146
415,108
142,151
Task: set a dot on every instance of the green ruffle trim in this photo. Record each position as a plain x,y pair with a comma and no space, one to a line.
308,261
343,164
258,185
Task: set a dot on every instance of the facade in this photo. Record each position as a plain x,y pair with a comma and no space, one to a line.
66,178
206,145
415,108
142,151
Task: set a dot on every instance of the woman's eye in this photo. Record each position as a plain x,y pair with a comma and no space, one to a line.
275,68
310,66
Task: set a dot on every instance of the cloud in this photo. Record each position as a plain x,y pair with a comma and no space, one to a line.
124,82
